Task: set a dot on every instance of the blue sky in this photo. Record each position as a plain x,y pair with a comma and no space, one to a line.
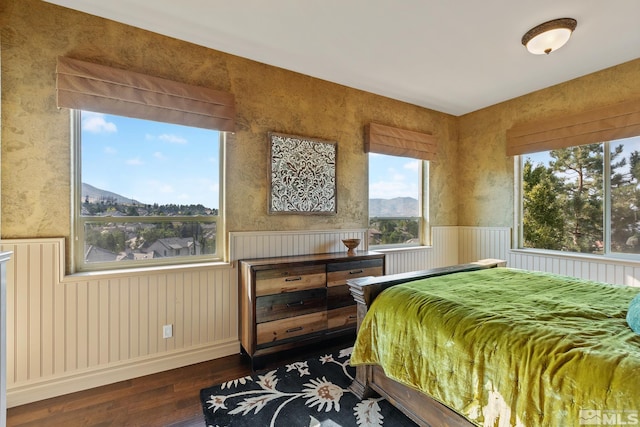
149,161
391,176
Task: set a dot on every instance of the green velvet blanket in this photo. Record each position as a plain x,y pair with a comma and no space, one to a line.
507,347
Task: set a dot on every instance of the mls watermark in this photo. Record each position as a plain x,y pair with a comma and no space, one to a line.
604,417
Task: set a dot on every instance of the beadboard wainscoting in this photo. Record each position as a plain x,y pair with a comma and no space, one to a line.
476,243
444,250
266,244
247,245
608,270
70,333
495,242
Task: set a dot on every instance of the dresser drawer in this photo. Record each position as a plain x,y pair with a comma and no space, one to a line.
290,327
339,273
285,301
280,280
342,317
339,296
288,304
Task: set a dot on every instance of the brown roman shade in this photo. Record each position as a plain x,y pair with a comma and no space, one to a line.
393,141
93,87
589,127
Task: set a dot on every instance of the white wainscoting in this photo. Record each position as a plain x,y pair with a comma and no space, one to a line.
66,334
263,244
444,251
615,271
476,243
495,242
69,333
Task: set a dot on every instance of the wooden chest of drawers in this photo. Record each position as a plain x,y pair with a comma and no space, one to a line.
286,302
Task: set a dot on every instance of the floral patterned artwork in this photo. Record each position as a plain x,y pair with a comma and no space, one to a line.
303,175
309,393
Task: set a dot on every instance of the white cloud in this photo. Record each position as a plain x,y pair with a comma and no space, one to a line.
173,139
413,165
135,162
392,189
396,177
165,188
110,150
158,155
393,176
96,123
395,184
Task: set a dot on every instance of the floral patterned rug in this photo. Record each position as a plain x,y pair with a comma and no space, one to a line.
311,393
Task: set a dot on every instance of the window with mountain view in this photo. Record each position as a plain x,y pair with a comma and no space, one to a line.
395,188
146,192
583,199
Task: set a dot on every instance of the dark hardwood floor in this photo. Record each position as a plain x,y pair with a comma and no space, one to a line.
170,398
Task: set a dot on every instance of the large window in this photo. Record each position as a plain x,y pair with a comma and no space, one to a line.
395,189
146,193
583,199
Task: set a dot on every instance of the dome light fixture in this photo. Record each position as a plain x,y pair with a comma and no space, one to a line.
549,36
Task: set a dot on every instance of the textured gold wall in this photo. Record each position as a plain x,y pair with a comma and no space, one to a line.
36,135
486,181
471,182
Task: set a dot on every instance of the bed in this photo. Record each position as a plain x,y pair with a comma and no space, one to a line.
484,345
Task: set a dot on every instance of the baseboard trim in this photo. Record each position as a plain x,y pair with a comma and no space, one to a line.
90,378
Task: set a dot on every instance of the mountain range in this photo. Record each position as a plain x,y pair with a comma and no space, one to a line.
396,207
96,195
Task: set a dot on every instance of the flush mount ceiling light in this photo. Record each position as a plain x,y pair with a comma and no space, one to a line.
549,36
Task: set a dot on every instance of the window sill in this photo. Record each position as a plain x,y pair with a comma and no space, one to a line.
580,257
402,249
143,271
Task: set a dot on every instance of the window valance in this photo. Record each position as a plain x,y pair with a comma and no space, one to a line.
599,125
393,141
99,88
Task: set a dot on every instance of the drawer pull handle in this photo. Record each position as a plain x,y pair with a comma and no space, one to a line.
293,304
299,328
356,271
293,279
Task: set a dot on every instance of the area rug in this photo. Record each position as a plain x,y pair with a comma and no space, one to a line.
310,393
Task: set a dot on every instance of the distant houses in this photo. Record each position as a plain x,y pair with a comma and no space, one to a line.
97,254
165,247
174,246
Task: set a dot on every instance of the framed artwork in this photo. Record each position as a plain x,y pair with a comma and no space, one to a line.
302,175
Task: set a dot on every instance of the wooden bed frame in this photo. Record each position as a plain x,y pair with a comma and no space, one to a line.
370,379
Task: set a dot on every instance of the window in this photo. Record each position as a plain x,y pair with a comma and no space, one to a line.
583,199
145,192
395,189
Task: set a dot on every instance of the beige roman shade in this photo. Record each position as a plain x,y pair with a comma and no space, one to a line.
589,127
93,87
393,141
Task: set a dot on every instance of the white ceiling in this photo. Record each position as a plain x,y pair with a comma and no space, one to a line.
454,56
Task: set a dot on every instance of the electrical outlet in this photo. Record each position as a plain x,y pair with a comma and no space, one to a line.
167,331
